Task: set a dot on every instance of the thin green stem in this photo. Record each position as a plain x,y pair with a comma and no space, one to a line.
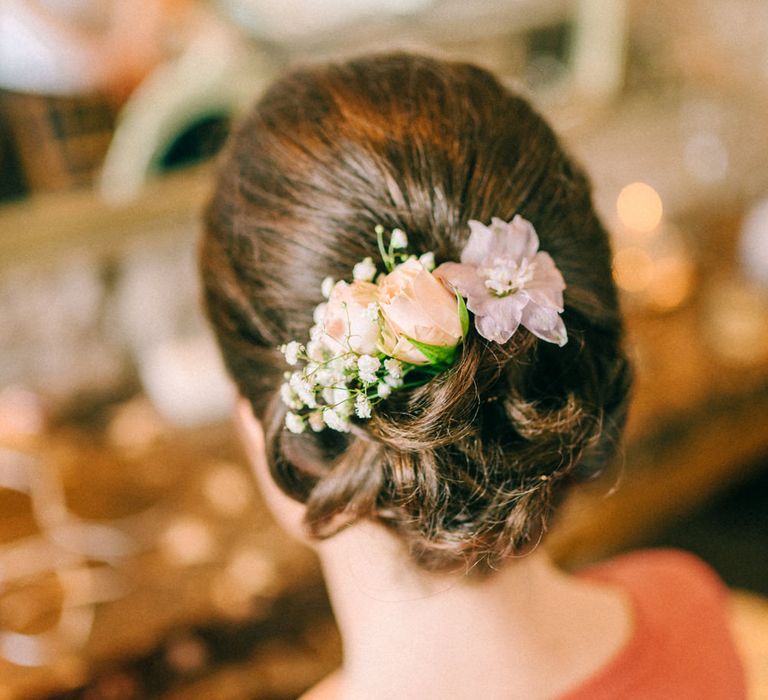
385,257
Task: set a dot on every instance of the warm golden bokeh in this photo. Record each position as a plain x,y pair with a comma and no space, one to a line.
639,207
137,558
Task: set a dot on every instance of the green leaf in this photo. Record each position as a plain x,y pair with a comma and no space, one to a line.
442,356
463,315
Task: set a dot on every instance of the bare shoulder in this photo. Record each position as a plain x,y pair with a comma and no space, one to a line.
326,689
749,622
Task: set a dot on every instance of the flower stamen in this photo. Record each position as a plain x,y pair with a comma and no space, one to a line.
504,276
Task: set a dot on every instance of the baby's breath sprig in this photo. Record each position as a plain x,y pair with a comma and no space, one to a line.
329,392
346,369
391,255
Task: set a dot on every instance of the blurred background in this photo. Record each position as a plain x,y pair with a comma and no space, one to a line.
136,559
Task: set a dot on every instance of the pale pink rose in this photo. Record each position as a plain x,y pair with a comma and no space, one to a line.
348,321
415,304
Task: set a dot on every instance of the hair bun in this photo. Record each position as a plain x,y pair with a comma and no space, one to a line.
468,467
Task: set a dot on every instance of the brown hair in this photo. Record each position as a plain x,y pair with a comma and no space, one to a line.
469,467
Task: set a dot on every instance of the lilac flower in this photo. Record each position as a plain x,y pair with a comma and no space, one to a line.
508,282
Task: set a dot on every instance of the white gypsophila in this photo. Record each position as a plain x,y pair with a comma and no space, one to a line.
348,361
318,315
399,240
337,371
316,421
303,389
340,400
362,406
393,368
364,271
394,382
317,332
289,397
428,261
383,390
294,422
308,397
291,351
315,351
334,421
295,381
325,377
367,366
372,312
310,372
327,286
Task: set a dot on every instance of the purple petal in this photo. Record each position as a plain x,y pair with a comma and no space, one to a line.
479,245
544,323
527,232
500,317
506,310
490,330
546,287
514,240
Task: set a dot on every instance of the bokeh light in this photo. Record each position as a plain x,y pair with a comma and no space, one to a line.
21,414
253,570
187,541
186,655
228,489
632,269
673,279
639,207
736,322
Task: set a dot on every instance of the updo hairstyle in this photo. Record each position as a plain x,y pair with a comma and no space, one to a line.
468,468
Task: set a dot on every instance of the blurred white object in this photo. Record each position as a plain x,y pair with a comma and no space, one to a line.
186,382
72,47
156,314
599,47
297,18
754,243
39,52
706,157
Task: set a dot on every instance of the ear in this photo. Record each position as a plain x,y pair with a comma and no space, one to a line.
250,431
286,511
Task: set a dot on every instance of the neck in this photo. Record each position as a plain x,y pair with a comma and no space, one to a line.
408,633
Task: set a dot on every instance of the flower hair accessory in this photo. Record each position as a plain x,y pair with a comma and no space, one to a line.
507,282
400,327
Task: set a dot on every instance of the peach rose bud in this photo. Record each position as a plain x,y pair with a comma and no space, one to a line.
414,304
348,322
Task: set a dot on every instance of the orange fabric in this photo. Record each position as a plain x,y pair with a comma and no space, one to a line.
681,646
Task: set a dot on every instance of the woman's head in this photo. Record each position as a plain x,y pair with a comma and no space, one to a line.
467,468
